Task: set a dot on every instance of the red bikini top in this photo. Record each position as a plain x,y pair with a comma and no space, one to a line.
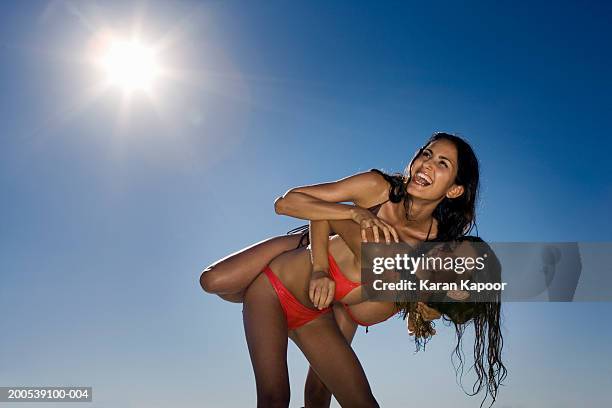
343,285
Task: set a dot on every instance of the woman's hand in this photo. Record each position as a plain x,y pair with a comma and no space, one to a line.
427,313
322,289
366,220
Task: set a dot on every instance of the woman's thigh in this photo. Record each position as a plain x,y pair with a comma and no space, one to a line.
332,358
232,275
316,393
265,328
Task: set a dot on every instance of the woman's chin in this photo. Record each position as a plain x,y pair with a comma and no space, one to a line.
416,190
423,192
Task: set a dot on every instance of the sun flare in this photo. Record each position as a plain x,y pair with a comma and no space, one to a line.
129,65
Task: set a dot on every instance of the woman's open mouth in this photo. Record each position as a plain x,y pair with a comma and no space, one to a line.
422,179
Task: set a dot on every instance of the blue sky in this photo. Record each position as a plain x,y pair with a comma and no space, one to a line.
110,209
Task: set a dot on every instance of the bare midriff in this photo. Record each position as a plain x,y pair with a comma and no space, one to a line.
294,269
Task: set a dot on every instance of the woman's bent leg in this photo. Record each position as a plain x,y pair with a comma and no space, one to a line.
316,394
230,276
265,328
334,362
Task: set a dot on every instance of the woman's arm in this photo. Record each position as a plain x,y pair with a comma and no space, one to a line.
351,235
324,201
319,245
322,288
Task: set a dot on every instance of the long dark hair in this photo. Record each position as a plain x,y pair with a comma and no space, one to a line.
485,316
456,218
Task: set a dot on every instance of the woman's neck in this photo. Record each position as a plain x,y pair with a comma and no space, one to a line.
419,215
419,211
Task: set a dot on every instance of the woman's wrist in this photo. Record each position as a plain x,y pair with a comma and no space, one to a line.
320,270
353,211
320,267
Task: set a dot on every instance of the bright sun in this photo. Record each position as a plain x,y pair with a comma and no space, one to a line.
130,65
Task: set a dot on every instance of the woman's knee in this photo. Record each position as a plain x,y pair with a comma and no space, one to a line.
211,280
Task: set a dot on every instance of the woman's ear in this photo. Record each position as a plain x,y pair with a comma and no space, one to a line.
455,191
460,295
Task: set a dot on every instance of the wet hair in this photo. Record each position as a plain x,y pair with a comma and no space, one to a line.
456,216
485,316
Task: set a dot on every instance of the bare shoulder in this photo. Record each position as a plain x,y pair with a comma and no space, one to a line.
375,189
373,179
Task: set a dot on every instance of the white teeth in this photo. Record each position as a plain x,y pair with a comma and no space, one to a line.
423,178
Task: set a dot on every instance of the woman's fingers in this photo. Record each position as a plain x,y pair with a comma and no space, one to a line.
322,297
317,295
375,232
377,224
393,232
311,291
389,231
365,225
321,292
385,229
395,235
331,289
